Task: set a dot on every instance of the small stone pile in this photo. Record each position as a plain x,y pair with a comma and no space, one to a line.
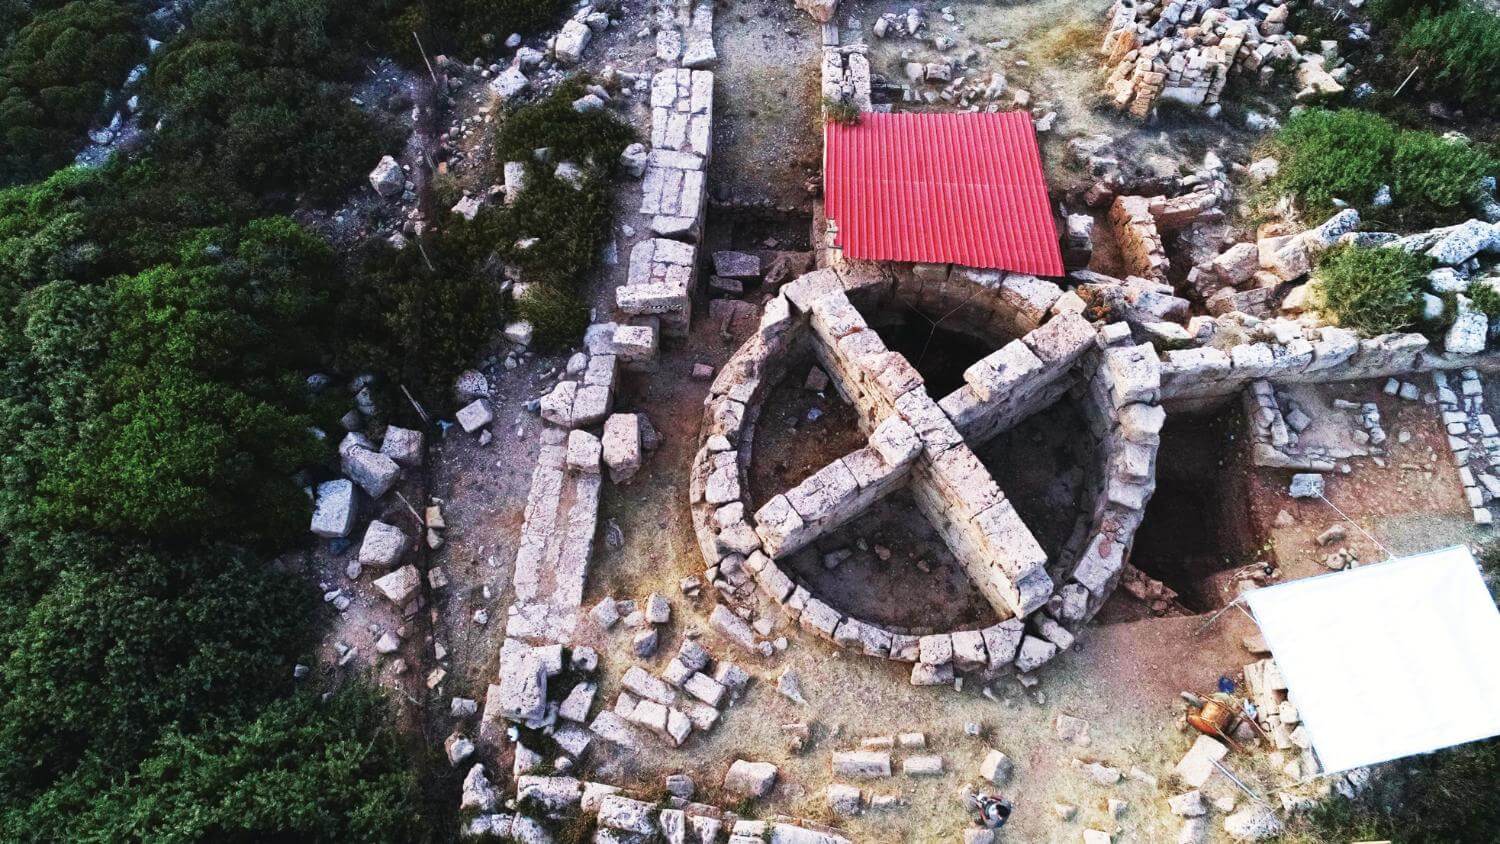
1185,51
544,802
689,695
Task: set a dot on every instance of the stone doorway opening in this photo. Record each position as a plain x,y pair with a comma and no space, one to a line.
1198,523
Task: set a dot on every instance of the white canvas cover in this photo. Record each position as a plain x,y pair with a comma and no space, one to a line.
1390,659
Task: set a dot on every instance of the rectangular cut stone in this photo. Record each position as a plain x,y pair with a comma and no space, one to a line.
781,530
1133,374
1061,340
1001,641
999,373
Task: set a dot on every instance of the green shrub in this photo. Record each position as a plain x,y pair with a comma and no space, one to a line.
261,127
53,80
1485,299
1397,12
1438,172
300,770
1348,154
419,325
558,317
1438,798
581,136
1327,155
1459,49
1371,290
840,112
109,643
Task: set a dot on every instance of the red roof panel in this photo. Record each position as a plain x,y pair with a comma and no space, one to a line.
944,188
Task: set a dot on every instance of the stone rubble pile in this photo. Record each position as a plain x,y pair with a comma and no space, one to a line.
846,76
369,472
582,437
691,694
1277,422
684,33
542,803
1184,52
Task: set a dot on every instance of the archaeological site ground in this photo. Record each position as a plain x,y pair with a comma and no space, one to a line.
740,420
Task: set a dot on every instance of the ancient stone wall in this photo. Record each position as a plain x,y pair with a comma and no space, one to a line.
846,76
1186,51
1141,248
914,442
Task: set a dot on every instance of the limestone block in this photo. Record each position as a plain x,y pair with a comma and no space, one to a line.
402,445
750,779
336,508
475,415
374,472
621,446
383,545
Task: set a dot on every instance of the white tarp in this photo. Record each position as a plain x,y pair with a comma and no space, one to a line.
1387,660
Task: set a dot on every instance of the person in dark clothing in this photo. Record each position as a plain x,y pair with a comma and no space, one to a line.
990,812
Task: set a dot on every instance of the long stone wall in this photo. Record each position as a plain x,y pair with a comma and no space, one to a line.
1204,377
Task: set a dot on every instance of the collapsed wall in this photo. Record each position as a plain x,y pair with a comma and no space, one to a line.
1185,52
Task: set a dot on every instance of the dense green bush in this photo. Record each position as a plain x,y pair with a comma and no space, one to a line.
166,403
259,126
1438,172
552,123
1399,12
419,325
1327,155
1459,49
1485,299
558,317
108,644
1372,290
1348,154
301,770
53,80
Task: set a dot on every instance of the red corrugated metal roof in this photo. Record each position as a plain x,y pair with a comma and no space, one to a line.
946,188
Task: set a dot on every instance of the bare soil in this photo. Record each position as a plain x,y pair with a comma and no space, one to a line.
899,573
798,432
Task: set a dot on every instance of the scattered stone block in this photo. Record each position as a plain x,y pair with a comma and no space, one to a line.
750,779
475,415
335,510
996,768
383,546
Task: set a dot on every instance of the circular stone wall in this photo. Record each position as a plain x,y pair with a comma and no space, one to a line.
921,444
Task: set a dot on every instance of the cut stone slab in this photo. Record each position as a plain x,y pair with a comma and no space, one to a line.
387,178
1254,822
475,415
922,766
862,764
403,445
383,546
622,446
1197,766
374,472
1306,485
333,516
736,265
996,767
1188,804
401,585
750,779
